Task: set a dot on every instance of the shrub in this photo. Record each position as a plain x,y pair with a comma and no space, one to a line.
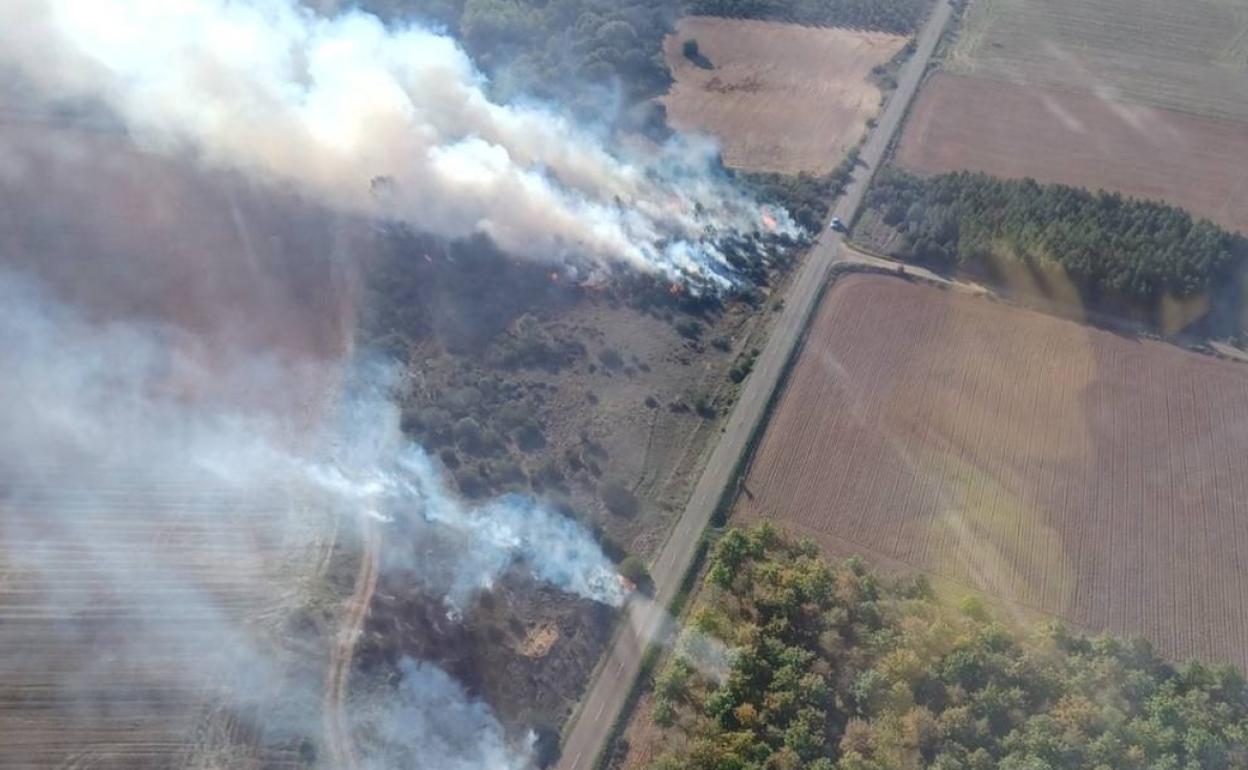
634,570
619,499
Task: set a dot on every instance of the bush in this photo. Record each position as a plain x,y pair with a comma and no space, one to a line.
634,570
693,54
689,329
619,499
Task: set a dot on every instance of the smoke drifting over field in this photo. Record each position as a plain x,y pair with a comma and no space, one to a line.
182,411
382,121
84,408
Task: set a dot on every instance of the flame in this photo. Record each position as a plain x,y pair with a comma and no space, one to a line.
769,221
675,289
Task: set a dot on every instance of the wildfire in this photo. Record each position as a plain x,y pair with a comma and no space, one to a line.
769,221
676,289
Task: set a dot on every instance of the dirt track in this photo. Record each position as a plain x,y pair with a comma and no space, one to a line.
338,739
1063,469
979,124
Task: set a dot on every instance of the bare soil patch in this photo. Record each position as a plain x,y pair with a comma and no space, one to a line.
1055,467
1190,56
779,97
1007,130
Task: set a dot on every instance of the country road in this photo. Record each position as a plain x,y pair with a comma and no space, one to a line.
592,722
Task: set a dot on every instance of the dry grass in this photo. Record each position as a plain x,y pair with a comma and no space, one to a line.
779,97
1008,130
1190,56
1057,468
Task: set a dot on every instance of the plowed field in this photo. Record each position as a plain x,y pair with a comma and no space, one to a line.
1063,469
979,124
778,97
129,617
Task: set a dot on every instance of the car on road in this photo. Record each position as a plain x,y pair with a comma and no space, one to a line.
837,225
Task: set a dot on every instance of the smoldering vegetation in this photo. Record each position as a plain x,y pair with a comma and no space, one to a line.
197,428
385,121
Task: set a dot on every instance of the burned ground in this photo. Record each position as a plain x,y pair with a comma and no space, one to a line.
514,379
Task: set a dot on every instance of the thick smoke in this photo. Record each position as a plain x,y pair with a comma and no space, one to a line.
78,396
186,519
381,121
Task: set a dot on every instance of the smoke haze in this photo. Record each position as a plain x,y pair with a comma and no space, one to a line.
380,121
188,434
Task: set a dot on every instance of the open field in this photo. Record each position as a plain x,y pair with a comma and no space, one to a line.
1021,455
1191,57
129,613
779,97
1007,130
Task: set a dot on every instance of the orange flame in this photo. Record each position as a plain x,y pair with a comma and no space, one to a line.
769,221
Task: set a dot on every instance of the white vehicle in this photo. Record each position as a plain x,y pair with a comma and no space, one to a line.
837,225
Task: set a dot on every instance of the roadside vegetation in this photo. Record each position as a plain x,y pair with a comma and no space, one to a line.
830,667
1114,250
806,196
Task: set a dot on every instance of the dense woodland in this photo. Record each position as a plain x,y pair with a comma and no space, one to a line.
899,16
829,667
1111,248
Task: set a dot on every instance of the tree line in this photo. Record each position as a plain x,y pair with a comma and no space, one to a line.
829,667
898,16
1113,249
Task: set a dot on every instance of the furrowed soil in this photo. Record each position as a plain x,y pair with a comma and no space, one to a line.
1058,468
1191,56
1080,139
779,97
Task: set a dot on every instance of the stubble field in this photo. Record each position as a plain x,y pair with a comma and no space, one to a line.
1191,57
1060,469
1052,135
779,97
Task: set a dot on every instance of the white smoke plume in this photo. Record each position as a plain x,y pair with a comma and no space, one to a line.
381,121
76,395
161,530
450,730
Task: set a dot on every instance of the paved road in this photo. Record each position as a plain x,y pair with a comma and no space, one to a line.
647,620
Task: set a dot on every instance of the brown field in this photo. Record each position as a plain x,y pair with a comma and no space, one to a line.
1190,56
779,97
126,630
1056,467
1007,130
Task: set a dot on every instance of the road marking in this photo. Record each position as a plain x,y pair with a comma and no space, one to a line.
601,706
